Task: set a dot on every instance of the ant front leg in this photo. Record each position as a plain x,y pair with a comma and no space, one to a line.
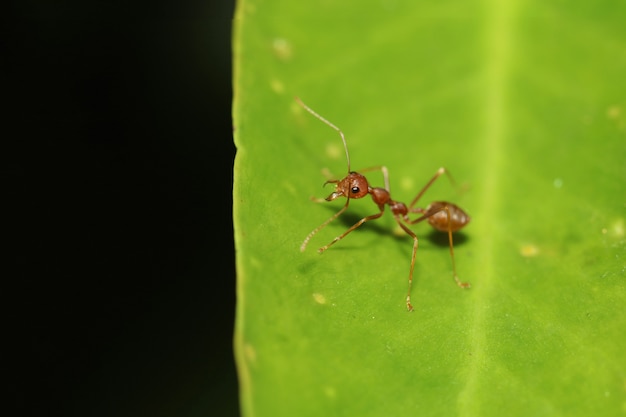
353,227
321,226
445,217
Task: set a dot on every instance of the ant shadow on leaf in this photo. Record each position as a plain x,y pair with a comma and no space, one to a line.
439,238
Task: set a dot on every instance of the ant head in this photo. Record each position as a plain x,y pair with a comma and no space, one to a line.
354,185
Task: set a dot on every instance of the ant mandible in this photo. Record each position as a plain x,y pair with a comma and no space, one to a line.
442,215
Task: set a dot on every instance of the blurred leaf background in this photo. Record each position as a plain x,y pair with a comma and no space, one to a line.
525,103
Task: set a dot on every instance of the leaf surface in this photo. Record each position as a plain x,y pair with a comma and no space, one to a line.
525,104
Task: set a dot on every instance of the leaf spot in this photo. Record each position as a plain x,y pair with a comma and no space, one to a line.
616,229
613,112
407,183
277,86
282,49
250,353
319,298
333,151
330,392
529,251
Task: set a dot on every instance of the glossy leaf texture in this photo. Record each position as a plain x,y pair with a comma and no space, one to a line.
525,104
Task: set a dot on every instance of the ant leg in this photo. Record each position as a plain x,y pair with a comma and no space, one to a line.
439,173
321,226
409,306
432,212
456,278
354,226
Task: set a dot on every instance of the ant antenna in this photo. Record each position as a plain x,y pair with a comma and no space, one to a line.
343,139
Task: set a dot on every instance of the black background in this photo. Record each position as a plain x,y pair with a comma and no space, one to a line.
117,172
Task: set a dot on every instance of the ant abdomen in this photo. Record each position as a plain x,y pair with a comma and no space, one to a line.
446,216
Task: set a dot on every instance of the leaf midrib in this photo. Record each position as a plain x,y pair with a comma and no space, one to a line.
498,43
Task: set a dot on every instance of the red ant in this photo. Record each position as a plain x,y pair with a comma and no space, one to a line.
441,215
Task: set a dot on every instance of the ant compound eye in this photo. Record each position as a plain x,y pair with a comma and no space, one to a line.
358,187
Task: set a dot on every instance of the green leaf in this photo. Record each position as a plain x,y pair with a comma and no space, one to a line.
525,104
